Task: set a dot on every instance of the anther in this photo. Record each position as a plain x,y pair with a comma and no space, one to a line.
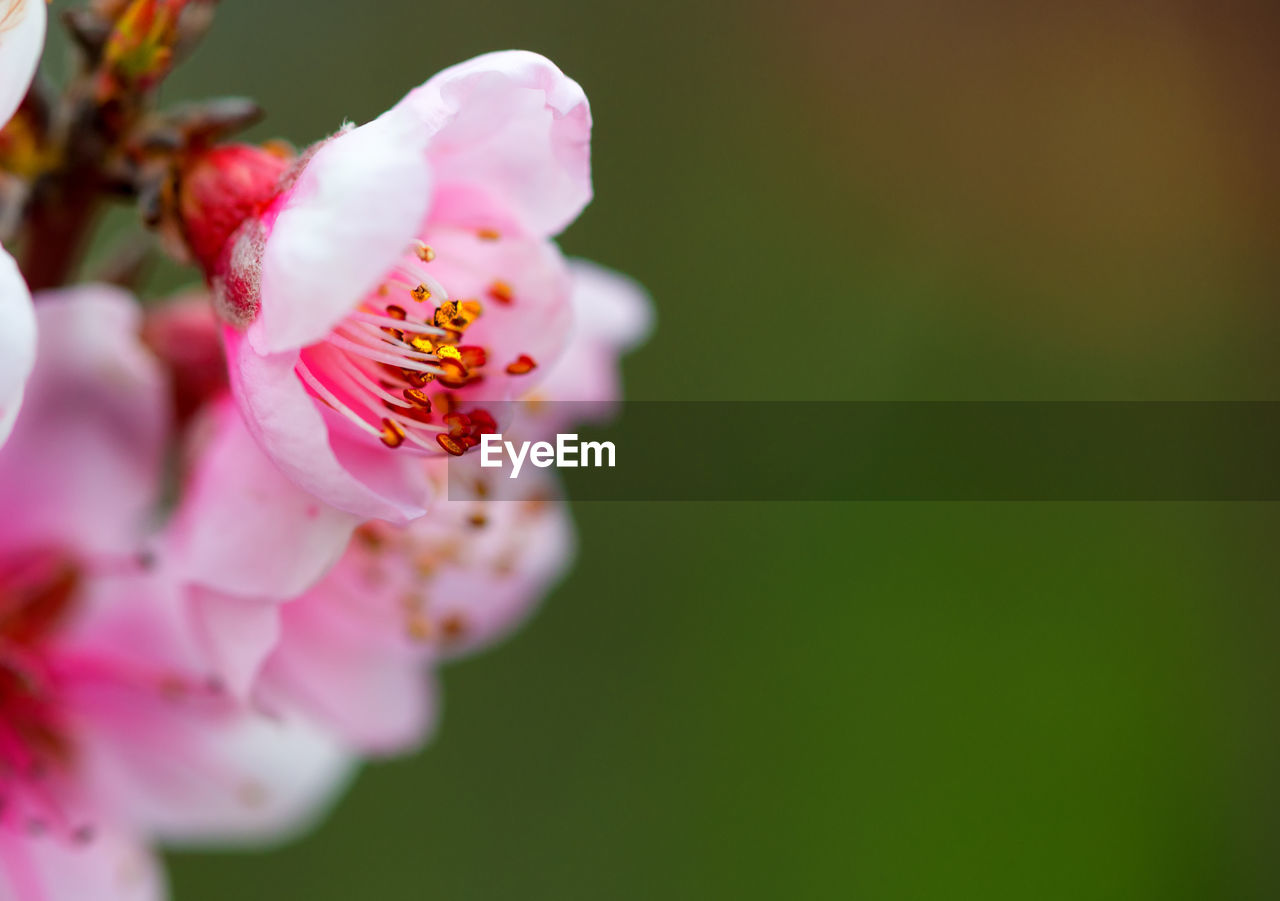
453,373
392,433
418,397
522,365
419,628
452,446
502,292
454,626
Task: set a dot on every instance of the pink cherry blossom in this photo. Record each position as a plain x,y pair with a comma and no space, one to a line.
112,731
403,261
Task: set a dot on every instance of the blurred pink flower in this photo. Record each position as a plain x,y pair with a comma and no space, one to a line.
355,654
112,733
22,25
403,260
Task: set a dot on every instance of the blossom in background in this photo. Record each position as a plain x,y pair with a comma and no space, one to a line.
403,275
22,26
112,731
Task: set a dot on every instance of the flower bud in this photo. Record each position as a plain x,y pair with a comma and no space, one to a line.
219,190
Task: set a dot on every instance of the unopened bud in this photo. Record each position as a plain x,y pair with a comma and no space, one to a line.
222,187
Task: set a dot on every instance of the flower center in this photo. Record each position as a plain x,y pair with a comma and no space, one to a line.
390,366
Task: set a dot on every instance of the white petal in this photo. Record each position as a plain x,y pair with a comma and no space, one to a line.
17,341
22,24
353,211
510,142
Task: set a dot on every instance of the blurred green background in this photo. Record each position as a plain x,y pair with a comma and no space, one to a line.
828,200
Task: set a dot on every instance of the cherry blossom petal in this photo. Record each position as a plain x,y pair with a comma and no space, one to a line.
355,652
290,427
159,745
612,314
510,142
243,527
356,205
525,548
108,865
346,662
82,466
246,781
238,634
22,26
17,341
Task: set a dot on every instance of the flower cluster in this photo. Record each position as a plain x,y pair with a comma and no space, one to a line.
228,562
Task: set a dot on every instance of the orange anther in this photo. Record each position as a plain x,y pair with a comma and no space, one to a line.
392,433
452,446
523,364
418,397
502,292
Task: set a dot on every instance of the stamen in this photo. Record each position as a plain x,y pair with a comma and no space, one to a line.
398,434
502,292
383,341
418,398
371,354
418,279
329,398
395,322
457,316
522,365
423,345
392,433
362,378
381,358
451,445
